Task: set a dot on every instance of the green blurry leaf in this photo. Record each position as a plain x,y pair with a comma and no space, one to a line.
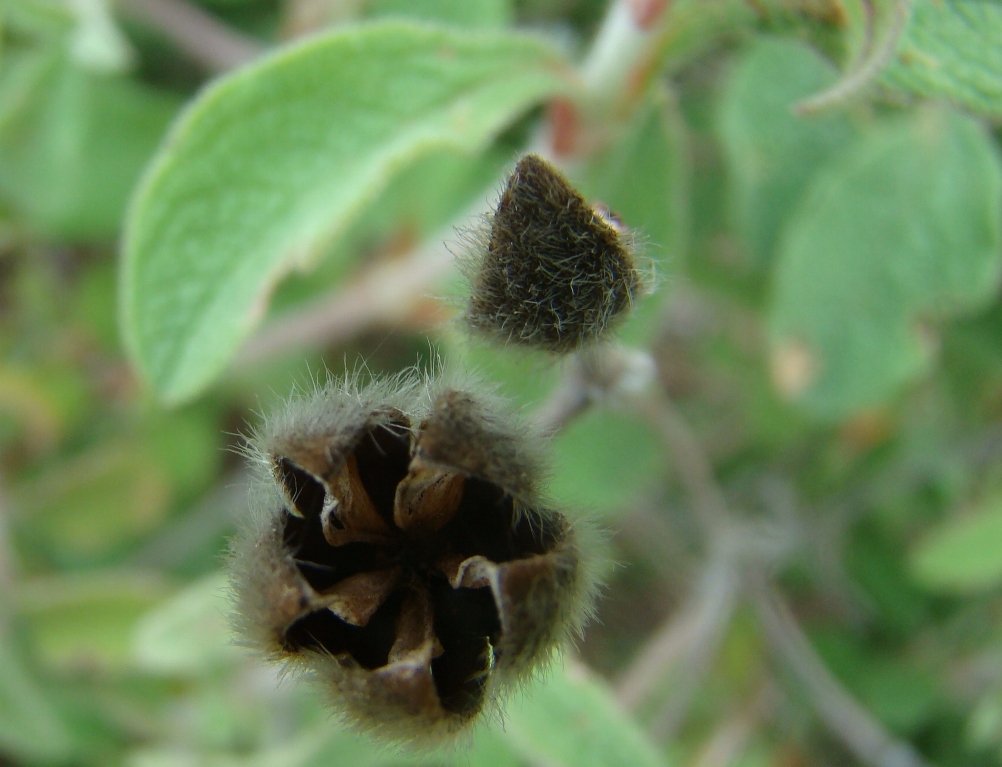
902,230
469,13
952,49
90,505
30,727
878,568
70,155
525,377
417,203
86,621
984,727
571,719
278,158
900,694
24,72
189,633
963,555
42,20
644,178
604,459
491,748
36,416
188,445
772,154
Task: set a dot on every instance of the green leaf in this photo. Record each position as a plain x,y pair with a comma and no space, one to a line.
468,13
91,505
74,147
902,230
189,633
772,154
644,177
952,49
571,719
30,726
604,459
86,621
416,204
277,159
963,555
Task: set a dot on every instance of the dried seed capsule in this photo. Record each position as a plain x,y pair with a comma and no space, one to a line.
399,553
552,272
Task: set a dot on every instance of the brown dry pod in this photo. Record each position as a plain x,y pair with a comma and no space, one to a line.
548,270
400,554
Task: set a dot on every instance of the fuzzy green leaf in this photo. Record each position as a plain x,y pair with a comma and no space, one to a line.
902,230
274,161
772,153
952,49
468,13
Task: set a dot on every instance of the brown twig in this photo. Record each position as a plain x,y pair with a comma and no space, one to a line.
844,717
687,640
691,465
208,41
731,737
386,293
569,399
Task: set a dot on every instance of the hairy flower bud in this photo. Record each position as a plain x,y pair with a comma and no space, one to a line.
552,271
400,553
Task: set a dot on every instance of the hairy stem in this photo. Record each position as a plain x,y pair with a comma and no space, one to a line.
858,79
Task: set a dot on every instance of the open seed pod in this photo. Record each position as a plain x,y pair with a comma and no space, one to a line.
401,556
550,271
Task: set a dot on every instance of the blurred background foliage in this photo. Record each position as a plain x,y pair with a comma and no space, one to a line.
826,322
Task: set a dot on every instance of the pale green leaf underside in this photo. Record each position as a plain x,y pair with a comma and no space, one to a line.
644,177
275,160
900,231
953,49
964,554
772,153
572,719
603,460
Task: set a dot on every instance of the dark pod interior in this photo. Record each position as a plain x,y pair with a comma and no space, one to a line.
465,621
